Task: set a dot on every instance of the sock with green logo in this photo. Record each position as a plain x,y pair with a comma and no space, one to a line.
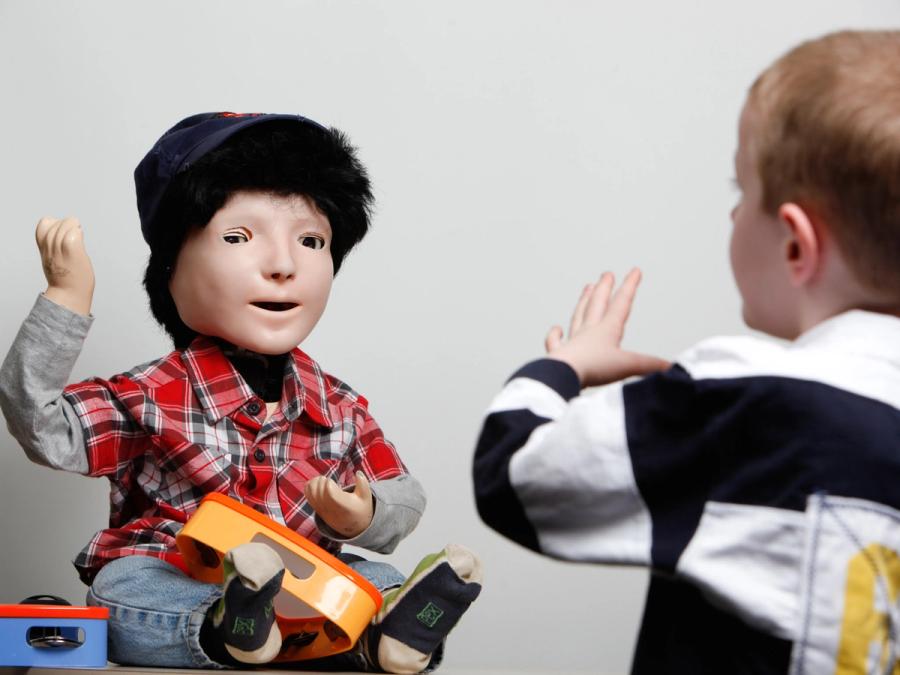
244,617
416,617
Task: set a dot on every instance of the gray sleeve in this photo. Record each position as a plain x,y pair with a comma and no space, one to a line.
399,503
32,379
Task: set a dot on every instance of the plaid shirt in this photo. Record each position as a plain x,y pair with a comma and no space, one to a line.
171,431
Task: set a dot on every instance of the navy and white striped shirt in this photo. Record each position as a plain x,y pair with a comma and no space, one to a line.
759,481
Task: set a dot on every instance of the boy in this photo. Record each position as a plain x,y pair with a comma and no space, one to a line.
248,218
758,481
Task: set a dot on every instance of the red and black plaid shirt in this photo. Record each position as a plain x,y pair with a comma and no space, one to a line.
171,431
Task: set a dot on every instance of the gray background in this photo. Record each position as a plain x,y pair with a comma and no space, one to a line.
518,149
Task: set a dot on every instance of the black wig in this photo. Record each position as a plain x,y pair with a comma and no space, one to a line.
278,157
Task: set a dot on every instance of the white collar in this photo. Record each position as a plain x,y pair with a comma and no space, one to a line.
856,331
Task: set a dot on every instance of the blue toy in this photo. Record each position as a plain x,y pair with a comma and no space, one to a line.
53,635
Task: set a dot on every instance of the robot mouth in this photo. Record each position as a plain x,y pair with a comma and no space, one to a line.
275,306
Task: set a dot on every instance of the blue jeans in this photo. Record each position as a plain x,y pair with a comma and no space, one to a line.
156,611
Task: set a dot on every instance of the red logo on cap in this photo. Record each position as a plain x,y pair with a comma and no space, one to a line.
234,114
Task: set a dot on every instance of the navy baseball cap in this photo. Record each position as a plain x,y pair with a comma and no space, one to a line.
184,144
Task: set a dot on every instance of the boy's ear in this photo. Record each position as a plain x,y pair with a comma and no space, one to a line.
803,247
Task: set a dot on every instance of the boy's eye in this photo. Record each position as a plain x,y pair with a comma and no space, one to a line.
312,241
235,237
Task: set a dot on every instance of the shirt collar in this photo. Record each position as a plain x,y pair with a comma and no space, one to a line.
306,390
221,390
870,334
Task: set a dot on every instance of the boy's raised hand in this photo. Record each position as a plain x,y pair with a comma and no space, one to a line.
346,512
596,331
67,267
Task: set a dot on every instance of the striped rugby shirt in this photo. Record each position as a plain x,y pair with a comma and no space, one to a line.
759,481
169,432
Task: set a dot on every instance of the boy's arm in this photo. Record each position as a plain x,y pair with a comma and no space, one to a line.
598,324
552,469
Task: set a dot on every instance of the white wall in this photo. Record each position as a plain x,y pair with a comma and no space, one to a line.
518,149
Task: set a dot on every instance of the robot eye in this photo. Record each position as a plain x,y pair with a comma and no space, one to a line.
312,241
235,237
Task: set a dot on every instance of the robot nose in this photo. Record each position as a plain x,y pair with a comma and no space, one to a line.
280,266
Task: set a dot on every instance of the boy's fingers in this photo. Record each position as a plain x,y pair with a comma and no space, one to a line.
578,314
554,338
620,306
599,299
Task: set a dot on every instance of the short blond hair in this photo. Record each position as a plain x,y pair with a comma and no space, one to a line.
829,139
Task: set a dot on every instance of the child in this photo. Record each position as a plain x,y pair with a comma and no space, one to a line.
248,218
757,480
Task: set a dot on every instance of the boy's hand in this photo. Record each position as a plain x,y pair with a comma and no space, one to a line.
346,512
67,267
595,333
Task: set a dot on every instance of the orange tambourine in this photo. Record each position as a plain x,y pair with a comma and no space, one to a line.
323,606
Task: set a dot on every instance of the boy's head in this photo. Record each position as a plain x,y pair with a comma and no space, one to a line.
820,140
248,217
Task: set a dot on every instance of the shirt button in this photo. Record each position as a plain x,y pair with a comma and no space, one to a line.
253,407
259,455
